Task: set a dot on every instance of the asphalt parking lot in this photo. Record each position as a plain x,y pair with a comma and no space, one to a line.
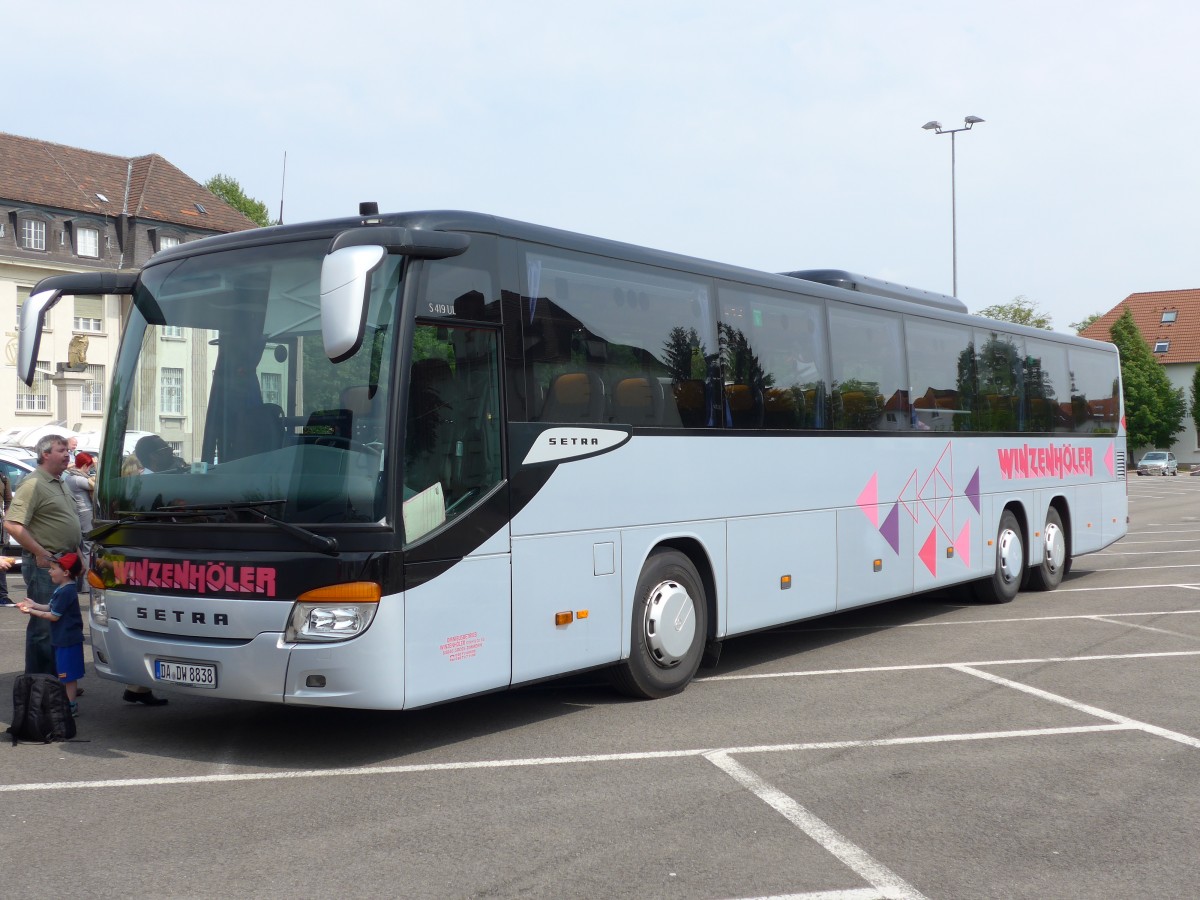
925,748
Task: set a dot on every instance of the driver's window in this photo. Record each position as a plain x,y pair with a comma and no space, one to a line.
452,428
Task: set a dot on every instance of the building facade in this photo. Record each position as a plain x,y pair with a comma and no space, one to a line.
64,210
1169,321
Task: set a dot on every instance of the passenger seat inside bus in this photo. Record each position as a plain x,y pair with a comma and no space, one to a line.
638,401
575,397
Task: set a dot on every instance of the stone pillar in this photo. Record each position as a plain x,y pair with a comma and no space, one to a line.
69,398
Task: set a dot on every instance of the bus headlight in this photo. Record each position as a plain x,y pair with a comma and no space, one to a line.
335,613
99,605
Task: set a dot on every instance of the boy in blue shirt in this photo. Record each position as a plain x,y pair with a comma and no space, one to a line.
66,622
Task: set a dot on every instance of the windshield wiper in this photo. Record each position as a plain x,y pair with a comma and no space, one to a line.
200,510
126,516
320,541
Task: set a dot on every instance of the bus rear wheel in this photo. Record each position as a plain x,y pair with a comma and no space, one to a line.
1056,562
669,627
1005,581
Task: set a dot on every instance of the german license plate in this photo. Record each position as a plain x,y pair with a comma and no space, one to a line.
201,675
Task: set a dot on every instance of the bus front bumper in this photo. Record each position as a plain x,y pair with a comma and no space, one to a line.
363,673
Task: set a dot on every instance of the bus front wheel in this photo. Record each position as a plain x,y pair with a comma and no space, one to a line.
670,625
1057,562
1006,580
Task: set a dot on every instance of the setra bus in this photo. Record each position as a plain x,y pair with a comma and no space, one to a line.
421,456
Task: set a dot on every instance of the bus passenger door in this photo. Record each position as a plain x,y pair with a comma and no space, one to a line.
457,599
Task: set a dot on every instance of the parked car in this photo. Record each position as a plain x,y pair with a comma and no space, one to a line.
1158,462
16,463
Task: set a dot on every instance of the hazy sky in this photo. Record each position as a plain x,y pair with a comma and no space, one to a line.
777,135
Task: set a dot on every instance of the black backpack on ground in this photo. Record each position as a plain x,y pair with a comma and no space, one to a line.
41,710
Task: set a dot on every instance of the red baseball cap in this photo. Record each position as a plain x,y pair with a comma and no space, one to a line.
69,562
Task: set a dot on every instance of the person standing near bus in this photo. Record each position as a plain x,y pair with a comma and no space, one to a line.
43,520
66,623
5,562
80,483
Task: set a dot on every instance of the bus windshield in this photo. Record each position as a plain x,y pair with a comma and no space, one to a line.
224,396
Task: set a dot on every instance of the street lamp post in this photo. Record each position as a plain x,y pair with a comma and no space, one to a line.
936,128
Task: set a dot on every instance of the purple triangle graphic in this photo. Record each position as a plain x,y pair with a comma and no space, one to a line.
890,529
973,490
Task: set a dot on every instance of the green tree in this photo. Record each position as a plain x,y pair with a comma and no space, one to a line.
1154,411
1020,311
1086,322
227,188
1196,398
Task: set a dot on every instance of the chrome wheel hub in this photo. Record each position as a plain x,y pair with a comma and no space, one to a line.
1056,550
670,623
1011,556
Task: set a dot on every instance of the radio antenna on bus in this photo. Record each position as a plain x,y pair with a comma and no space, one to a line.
282,184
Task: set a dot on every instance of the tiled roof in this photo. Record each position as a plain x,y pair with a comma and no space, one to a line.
1182,335
148,187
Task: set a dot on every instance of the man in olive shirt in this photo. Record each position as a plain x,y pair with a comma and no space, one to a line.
43,520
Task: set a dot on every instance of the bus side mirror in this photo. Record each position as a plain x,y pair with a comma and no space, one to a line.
353,256
45,294
29,334
345,287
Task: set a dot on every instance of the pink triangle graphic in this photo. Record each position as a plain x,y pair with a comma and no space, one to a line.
928,553
962,544
1108,460
868,500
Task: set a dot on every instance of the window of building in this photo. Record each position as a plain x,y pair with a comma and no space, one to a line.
172,331
272,387
166,241
89,314
33,234
36,397
1162,346
87,242
1169,316
92,397
171,392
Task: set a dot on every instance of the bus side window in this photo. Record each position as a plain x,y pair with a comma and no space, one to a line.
774,363
617,344
869,378
1047,387
941,373
999,370
1094,395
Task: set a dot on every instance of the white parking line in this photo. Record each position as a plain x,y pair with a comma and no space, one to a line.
855,894
1173,541
1144,552
418,768
879,876
1120,568
1116,718
1111,620
760,676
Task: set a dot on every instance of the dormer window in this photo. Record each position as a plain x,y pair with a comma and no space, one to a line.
1168,316
33,234
1162,346
87,242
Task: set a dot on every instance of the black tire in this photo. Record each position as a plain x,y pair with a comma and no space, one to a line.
669,629
1005,581
1056,561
